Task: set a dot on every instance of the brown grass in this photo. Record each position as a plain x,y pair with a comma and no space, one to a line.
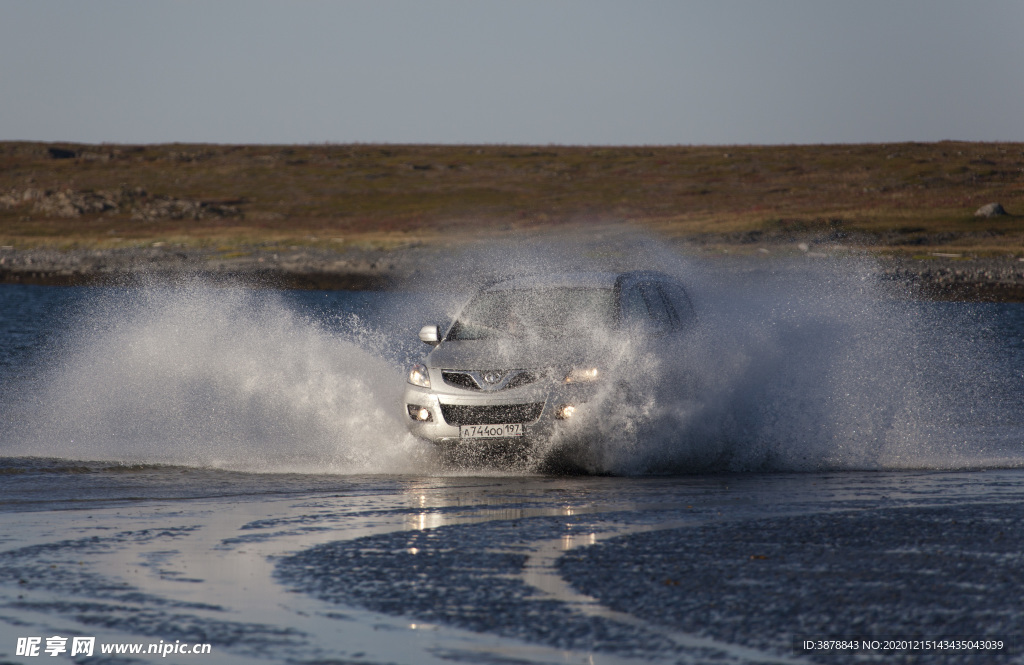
906,197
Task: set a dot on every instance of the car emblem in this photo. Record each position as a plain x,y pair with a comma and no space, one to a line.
492,377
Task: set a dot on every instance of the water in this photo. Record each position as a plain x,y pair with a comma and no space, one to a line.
425,569
229,465
821,368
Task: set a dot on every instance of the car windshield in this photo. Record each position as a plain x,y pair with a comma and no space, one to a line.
547,312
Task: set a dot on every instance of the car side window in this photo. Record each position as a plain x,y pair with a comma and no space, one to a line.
659,310
644,304
680,303
634,309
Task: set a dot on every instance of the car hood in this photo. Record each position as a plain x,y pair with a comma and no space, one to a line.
511,354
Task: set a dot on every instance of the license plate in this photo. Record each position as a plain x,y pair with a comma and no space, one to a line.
490,431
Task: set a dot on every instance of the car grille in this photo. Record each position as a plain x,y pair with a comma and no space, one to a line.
460,380
473,380
521,379
491,415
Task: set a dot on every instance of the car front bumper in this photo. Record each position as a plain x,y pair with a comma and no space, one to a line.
438,403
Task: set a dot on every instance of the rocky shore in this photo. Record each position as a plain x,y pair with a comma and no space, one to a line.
939,276
300,268
960,278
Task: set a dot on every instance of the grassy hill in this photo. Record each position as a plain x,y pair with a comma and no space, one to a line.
904,198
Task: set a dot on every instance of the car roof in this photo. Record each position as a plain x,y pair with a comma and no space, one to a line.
591,280
579,280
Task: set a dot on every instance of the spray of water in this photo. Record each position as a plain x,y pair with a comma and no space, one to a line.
800,365
206,376
805,365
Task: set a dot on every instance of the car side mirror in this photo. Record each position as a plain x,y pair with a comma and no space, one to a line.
430,335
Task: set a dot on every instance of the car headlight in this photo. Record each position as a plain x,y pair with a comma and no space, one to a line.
581,375
418,376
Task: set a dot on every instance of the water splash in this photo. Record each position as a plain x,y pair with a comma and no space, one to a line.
808,366
796,365
207,376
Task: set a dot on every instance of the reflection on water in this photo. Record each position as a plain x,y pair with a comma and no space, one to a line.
432,520
573,541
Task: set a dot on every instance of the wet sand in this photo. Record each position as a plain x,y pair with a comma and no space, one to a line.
722,568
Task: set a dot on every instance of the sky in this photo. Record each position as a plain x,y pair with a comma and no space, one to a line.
570,72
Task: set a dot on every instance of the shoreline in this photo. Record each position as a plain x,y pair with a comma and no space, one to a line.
941,277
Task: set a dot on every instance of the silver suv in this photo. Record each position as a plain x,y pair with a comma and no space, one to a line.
524,356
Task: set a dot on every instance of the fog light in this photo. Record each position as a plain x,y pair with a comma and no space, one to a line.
565,411
420,413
